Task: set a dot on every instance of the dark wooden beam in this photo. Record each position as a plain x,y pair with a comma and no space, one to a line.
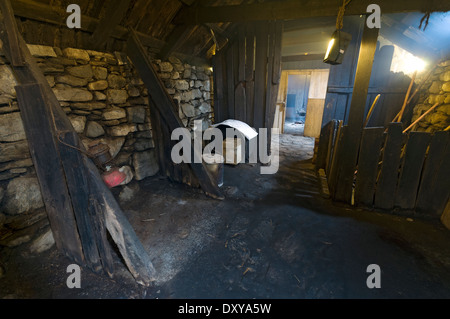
53,15
294,9
11,31
352,139
178,36
166,107
114,14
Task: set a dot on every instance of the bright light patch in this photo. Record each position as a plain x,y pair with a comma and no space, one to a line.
330,45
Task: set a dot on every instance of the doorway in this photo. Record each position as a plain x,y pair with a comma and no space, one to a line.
301,100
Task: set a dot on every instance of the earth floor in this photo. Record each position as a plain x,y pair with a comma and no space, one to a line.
274,236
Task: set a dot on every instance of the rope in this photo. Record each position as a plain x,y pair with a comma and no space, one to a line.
340,17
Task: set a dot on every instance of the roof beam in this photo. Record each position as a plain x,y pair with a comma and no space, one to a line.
179,35
115,13
295,9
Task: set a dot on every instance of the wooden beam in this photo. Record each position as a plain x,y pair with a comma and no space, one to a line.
352,139
165,105
53,15
113,16
178,36
11,31
294,9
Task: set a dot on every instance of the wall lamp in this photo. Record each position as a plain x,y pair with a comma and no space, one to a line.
337,46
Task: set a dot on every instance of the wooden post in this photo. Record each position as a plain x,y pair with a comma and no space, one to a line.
352,139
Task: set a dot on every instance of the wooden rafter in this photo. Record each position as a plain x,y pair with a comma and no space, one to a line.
294,9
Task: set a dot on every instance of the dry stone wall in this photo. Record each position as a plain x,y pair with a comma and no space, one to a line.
436,90
105,99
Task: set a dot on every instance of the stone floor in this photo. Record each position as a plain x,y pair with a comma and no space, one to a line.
274,236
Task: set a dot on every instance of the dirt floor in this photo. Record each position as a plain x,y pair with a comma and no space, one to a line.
274,236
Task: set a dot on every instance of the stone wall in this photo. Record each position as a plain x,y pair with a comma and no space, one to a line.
436,89
106,100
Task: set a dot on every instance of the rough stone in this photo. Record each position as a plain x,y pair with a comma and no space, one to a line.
98,85
136,114
182,85
145,164
50,80
116,96
122,130
188,109
76,54
43,243
71,80
82,71
165,67
11,128
205,107
22,195
89,106
78,123
7,80
114,113
133,91
14,151
41,51
100,73
446,87
116,81
72,94
143,144
99,96
435,87
51,68
94,130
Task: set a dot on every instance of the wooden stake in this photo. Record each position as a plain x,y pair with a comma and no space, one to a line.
405,102
371,109
421,117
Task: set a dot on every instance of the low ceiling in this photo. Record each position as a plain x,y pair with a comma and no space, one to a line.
156,21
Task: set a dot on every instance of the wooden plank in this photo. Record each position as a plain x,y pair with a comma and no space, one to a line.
47,163
324,138
411,169
294,9
17,58
371,143
220,112
77,182
268,100
114,14
240,100
335,133
241,60
132,251
260,75
356,115
166,107
230,82
335,159
249,73
434,168
387,182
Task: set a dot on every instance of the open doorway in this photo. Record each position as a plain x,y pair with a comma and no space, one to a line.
301,100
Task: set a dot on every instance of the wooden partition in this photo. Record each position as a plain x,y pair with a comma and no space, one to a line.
394,170
247,75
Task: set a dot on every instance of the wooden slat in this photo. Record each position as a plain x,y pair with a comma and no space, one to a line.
371,142
78,185
249,73
429,198
11,31
356,115
166,107
387,182
335,160
239,102
411,169
230,82
324,139
260,75
47,164
179,35
220,111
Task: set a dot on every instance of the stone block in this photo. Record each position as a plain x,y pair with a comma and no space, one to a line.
11,128
145,164
82,71
117,96
76,54
114,113
22,195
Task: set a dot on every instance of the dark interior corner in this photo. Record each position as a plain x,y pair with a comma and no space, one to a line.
239,149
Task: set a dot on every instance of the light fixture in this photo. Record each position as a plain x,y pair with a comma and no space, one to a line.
337,46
